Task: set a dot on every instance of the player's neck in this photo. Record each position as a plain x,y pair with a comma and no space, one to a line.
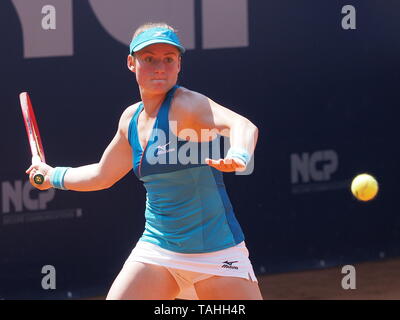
152,103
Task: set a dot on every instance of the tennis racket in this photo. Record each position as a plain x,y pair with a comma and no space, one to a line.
32,130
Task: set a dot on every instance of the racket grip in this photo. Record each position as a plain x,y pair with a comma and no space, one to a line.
38,178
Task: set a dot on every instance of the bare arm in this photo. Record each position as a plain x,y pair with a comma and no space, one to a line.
204,113
114,164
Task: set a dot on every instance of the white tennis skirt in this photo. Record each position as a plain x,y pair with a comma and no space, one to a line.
189,268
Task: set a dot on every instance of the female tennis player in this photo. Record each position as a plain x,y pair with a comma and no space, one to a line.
192,246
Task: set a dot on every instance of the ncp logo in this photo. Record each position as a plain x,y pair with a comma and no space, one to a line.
317,166
19,195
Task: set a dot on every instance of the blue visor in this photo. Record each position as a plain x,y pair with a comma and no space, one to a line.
155,35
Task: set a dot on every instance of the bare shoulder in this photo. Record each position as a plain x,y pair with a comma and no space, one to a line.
191,110
126,118
130,110
187,105
194,110
186,100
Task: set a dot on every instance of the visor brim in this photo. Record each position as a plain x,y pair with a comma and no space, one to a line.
154,41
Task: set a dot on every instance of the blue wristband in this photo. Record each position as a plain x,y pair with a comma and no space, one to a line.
57,178
240,154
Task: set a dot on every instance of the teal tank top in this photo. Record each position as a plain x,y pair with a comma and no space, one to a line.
187,207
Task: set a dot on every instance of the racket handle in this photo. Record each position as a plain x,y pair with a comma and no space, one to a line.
38,178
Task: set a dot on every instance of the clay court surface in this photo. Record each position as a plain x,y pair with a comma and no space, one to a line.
379,280
374,281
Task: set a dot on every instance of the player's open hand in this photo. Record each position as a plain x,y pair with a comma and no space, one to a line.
43,169
227,164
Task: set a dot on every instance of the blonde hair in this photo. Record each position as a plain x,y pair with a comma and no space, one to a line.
150,25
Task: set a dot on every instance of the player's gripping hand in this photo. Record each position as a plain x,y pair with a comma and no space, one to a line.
45,170
227,164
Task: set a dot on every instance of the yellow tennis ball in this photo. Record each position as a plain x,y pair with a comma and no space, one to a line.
364,187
